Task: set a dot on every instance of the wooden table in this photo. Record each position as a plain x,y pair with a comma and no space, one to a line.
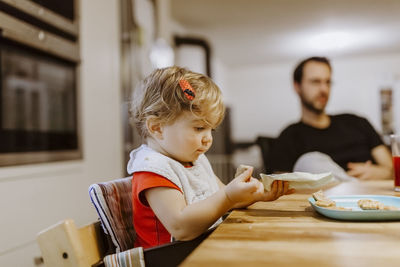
288,232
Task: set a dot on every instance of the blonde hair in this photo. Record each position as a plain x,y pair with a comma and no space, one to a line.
160,95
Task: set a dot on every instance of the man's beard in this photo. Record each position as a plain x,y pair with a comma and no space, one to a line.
310,106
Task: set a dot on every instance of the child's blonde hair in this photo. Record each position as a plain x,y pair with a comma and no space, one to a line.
160,95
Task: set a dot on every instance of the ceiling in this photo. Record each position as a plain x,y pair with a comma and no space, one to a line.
246,32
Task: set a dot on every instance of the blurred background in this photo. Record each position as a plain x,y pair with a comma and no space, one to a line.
68,70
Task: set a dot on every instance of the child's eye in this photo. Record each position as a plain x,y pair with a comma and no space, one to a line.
199,128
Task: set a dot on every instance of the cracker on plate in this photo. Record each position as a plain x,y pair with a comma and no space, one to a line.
369,204
322,201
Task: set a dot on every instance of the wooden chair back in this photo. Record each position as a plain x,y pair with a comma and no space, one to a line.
65,245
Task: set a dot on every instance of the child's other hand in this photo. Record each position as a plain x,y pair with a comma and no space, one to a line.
278,189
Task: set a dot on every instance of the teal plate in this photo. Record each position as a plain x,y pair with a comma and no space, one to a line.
357,214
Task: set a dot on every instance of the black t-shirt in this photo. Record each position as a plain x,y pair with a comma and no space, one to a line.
348,138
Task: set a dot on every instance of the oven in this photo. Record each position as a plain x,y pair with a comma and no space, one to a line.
39,81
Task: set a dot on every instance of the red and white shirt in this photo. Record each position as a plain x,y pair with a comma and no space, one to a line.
152,169
149,230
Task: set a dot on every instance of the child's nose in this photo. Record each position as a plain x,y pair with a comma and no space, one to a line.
207,138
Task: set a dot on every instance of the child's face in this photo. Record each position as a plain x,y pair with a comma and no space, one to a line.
186,138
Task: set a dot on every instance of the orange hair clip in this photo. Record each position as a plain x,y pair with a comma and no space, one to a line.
187,89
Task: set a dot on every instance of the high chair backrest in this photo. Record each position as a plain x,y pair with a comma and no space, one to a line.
113,203
65,245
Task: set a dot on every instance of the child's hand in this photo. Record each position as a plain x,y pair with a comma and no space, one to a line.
278,189
244,188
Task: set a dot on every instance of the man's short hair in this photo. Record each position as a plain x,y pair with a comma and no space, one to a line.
298,71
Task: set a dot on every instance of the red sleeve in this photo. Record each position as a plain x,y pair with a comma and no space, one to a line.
142,181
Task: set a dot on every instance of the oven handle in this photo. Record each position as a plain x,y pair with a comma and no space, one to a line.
26,34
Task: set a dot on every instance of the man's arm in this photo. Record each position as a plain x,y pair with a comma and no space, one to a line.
383,169
383,158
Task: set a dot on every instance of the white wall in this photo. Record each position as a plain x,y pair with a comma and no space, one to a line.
263,100
33,197
219,75
191,57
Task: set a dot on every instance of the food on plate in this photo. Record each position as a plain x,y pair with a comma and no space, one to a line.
319,195
350,207
325,203
369,204
322,201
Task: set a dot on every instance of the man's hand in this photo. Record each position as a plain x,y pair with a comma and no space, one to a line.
368,171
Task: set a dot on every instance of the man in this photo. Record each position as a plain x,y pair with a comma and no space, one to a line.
349,140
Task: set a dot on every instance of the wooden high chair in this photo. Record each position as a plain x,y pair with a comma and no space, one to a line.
65,245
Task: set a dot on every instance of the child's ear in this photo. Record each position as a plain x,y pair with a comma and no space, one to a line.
154,127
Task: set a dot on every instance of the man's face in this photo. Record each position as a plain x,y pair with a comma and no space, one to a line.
315,86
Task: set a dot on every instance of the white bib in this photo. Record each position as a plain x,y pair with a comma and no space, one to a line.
197,182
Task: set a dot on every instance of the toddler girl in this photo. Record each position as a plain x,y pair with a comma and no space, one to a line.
175,192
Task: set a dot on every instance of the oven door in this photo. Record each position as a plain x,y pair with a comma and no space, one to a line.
38,95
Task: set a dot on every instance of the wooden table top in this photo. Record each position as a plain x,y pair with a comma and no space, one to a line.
288,232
